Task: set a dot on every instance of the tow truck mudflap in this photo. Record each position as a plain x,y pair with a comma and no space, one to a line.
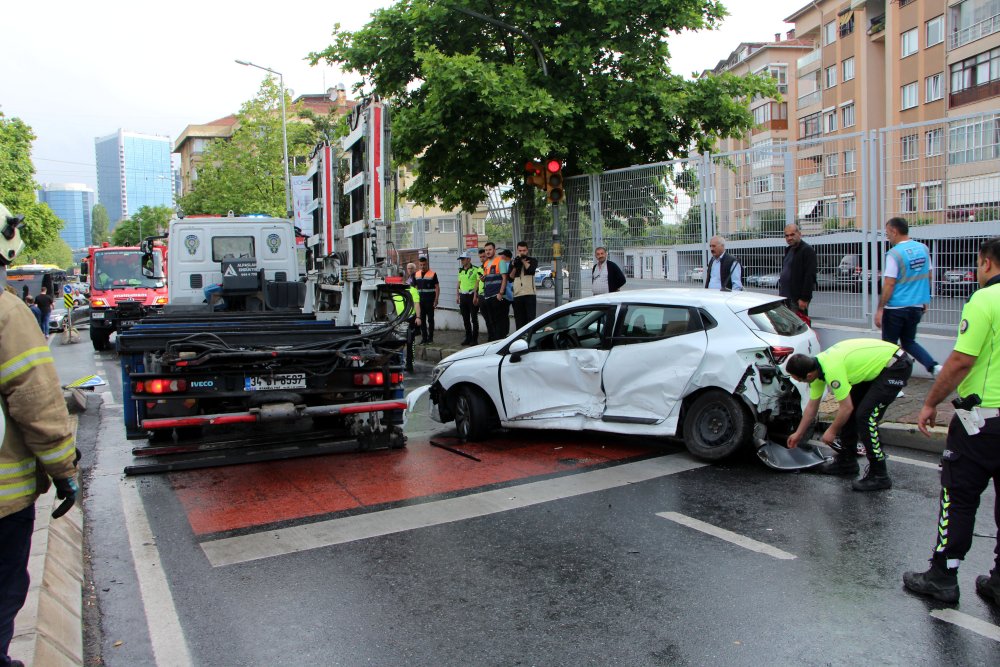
273,412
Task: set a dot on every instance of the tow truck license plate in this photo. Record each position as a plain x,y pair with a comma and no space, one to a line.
272,382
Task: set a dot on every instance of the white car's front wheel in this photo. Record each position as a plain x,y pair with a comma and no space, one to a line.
715,425
473,416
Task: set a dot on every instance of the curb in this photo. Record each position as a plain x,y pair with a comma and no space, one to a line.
908,436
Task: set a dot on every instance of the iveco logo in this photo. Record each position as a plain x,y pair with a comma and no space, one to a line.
203,383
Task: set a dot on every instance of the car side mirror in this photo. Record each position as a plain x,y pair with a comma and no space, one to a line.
517,349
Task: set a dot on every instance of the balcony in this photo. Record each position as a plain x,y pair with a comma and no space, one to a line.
810,99
773,124
811,181
808,59
876,27
974,94
974,32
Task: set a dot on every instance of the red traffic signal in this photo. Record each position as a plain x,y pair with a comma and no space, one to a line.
554,181
535,176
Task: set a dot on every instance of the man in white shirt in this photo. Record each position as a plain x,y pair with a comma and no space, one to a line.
724,271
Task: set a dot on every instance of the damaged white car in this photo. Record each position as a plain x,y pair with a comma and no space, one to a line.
691,363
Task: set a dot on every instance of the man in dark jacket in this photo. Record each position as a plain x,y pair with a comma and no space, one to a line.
606,276
798,271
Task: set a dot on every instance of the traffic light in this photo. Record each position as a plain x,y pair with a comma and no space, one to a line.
536,174
554,180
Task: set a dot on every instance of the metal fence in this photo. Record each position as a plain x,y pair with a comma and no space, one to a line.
656,220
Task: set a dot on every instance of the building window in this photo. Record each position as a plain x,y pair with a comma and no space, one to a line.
974,141
480,227
830,122
908,147
831,76
847,115
932,141
809,126
850,162
831,164
849,69
850,207
934,87
769,183
932,197
978,70
909,95
447,225
935,31
972,20
846,24
830,209
908,199
908,42
829,33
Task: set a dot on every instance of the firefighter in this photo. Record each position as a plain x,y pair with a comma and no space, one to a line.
36,436
865,376
972,456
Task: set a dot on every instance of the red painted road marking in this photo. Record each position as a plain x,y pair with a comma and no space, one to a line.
223,499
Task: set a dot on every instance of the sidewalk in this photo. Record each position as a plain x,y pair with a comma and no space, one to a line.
899,427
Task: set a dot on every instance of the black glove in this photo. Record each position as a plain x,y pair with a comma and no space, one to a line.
66,490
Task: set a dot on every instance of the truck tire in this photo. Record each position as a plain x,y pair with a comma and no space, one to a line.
715,426
100,339
473,416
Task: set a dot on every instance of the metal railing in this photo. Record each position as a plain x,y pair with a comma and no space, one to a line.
974,32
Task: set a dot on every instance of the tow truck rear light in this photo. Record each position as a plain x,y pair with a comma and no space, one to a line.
98,303
396,378
373,379
159,386
780,352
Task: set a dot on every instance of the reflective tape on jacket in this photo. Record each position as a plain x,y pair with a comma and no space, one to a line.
17,469
17,490
60,452
25,361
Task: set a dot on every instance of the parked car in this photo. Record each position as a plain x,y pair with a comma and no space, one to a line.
696,275
769,280
587,365
851,276
545,279
959,282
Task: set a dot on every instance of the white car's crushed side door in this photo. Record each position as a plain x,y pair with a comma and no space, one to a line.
549,384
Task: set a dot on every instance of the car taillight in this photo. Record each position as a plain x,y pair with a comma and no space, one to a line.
857,269
374,379
98,303
780,352
970,276
159,386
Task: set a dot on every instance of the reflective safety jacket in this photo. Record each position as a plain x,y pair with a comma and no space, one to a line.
37,439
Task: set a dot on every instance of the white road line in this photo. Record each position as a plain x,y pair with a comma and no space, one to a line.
727,535
978,626
913,462
245,548
165,633
108,398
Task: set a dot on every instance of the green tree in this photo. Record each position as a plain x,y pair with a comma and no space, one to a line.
100,223
244,174
18,187
471,102
147,221
55,251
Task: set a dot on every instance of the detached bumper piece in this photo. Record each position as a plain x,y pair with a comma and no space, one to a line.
807,455
362,435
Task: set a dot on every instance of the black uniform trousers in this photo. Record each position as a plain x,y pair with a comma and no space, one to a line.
524,309
15,546
870,401
427,318
470,316
967,466
498,322
411,333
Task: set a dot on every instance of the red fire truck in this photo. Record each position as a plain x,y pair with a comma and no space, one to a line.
120,294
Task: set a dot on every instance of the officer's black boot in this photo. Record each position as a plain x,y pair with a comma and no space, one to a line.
989,587
843,463
937,582
876,478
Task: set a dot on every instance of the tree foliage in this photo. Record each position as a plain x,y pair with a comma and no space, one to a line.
147,221
471,103
244,174
18,187
100,223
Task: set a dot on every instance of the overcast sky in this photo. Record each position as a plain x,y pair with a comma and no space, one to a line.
77,70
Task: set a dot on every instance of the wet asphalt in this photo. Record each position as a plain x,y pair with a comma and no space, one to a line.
593,579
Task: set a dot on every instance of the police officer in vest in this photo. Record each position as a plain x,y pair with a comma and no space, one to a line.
36,439
429,287
724,271
972,456
906,292
468,285
492,301
865,376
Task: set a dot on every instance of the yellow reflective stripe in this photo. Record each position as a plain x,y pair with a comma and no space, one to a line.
19,490
23,362
23,467
60,452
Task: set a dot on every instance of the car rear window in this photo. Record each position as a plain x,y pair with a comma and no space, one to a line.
777,318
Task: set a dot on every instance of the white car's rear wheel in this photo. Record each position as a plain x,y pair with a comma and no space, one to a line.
715,426
473,416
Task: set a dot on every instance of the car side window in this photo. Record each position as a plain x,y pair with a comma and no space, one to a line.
644,323
585,328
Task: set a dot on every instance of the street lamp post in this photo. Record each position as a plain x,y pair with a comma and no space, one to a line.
284,132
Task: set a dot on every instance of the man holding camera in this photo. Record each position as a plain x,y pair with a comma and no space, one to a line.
522,277
972,456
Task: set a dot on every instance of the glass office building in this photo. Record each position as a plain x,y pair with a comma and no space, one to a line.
73,204
133,170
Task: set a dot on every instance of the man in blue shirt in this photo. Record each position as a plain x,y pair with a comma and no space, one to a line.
906,292
724,271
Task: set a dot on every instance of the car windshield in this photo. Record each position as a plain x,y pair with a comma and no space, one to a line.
777,318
